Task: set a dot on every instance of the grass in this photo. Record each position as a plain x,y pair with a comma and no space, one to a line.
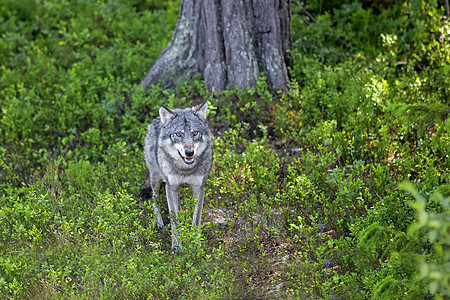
305,198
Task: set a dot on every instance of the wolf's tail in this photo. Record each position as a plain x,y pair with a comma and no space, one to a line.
146,191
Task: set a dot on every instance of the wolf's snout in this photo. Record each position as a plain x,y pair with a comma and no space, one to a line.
189,153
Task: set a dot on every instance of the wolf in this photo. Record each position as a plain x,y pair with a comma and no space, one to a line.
178,151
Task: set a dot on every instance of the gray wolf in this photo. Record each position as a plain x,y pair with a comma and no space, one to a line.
178,151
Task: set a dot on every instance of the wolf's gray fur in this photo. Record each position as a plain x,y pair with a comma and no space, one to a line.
178,151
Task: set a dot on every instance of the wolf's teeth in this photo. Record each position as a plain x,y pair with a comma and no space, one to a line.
188,160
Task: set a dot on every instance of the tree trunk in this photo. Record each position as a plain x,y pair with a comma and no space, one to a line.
229,42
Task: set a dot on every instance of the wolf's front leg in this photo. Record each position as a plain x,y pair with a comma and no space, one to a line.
157,214
156,210
199,193
172,201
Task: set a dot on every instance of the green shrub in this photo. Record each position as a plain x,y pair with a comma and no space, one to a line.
435,226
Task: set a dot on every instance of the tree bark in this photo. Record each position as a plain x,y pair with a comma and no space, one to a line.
229,42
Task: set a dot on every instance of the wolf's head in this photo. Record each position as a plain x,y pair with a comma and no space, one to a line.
185,134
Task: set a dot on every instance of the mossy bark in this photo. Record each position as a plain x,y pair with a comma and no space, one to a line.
229,43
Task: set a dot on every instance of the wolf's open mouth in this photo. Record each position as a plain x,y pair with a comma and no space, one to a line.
187,159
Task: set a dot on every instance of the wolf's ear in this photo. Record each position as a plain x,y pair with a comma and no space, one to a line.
166,115
200,110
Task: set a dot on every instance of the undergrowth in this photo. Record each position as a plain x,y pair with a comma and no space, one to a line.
338,189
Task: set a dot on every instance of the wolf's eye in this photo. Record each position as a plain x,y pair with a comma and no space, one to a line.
194,133
179,134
